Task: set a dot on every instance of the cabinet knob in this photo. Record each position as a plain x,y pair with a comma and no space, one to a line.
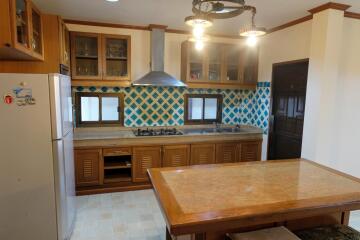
7,45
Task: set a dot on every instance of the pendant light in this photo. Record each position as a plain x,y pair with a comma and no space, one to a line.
199,23
252,32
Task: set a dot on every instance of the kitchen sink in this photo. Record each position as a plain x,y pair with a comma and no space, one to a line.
211,130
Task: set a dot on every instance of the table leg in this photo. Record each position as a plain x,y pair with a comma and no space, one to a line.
168,235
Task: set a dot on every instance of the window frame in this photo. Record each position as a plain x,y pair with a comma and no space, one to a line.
218,119
100,123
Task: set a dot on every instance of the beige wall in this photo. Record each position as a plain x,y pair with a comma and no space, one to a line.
289,44
347,131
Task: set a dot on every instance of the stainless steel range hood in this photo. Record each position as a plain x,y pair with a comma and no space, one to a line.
157,77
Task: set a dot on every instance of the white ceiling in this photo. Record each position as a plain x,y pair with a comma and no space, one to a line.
271,13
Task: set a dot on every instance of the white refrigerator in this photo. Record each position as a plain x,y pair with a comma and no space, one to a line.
37,186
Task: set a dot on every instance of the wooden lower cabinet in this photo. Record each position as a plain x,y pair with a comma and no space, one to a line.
202,154
88,167
176,155
143,159
250,151
92,171
227,152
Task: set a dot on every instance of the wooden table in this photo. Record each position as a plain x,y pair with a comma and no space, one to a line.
208,201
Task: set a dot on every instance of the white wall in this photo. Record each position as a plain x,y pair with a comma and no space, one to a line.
285,45
347,129
320,114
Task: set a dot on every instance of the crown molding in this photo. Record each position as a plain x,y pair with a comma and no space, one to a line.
290,24
157,26
352,15
329,5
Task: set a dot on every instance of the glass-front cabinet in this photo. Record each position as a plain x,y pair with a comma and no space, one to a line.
196,65
21,30
22,21
36,31
233,64
86,56
219,65
214,58
100,57
116,58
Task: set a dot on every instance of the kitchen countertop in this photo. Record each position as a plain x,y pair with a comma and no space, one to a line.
196,199
121,136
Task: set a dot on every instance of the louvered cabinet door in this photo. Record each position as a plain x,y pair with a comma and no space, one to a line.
176,156
143,159
202,154
88,167
250,151
226,152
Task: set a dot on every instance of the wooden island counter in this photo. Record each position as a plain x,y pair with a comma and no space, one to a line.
210,200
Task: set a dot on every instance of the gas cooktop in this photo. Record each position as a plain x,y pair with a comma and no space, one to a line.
157,132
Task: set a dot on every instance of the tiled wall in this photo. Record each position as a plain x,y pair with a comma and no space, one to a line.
164,106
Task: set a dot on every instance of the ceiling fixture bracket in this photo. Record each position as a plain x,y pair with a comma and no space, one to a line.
207,10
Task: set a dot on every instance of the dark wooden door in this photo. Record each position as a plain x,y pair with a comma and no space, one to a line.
288,108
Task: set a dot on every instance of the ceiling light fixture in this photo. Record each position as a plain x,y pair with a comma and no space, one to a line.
207,10
199,23
252,32
112,0
218,9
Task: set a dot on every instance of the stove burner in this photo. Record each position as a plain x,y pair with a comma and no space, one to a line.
157,132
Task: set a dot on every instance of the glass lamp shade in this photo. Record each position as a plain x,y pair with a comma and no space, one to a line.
202,21
253,32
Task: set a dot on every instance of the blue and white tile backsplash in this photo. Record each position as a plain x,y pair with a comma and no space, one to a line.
164,106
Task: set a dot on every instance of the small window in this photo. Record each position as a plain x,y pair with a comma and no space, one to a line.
99,109
203,108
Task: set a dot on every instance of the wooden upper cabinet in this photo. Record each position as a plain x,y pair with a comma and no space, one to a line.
176,156
88,167
86,56
202,154
100,57
64,44
21,31
250,151
36,31
214,62
143,159
233,62
250,66
219,65
116,57
226,152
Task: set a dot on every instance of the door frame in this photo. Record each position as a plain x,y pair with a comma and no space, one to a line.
272,95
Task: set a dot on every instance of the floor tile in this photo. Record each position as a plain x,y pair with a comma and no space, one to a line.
119,216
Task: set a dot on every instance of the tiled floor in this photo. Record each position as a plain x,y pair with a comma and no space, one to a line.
124,216
128,216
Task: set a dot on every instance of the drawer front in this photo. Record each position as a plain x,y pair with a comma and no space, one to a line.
117,151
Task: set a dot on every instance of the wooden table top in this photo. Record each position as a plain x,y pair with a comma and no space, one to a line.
198,198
